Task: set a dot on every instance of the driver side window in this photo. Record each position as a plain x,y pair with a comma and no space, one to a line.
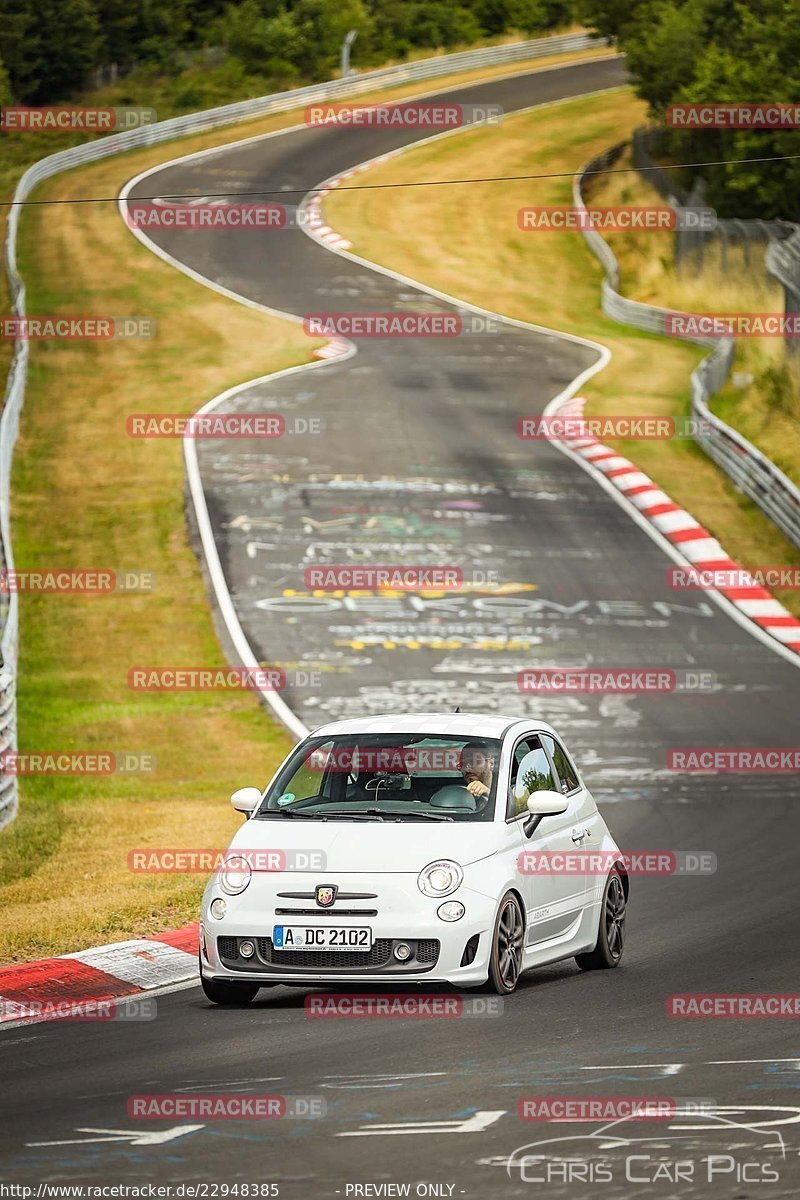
530,772
312,778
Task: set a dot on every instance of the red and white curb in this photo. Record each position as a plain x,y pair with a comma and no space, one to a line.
679,527
335,348
310,212
44,990
310,208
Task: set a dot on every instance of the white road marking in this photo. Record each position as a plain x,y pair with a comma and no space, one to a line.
229,1083
725,1062
665,1068
738,1109
354,1083
675,1068
135,1137
474,1124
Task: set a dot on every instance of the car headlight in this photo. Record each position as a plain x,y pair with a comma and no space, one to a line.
439,878
234,875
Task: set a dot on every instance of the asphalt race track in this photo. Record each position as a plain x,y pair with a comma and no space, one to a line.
419,462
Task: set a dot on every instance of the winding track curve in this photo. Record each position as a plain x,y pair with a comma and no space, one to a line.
422,445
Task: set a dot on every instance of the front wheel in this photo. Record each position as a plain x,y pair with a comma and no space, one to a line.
230,994
505,963
611,933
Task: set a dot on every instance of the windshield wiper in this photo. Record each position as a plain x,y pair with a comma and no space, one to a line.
366,814
428,816
409,814
370,814
283,812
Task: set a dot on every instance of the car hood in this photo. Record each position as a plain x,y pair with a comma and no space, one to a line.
371,846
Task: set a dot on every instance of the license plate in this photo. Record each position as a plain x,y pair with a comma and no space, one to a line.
321,937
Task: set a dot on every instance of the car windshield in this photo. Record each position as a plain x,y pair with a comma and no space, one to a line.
387,777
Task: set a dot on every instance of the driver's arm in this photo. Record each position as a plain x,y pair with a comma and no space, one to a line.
476,788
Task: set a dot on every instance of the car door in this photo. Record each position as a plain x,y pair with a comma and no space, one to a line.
552,876
589,827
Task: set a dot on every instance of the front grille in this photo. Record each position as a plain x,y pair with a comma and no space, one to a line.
425,955
227,948
378,956
339,895
427,950
325,912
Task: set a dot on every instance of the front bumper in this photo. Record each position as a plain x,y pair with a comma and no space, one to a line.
451,952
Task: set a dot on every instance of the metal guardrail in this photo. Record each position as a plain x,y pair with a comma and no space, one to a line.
751,471
783,263
691,244
150,135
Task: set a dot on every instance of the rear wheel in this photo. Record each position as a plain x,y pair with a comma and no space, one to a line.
611,933
505,963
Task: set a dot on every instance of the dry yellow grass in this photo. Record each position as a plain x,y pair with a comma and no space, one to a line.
87,495
464,240
766,409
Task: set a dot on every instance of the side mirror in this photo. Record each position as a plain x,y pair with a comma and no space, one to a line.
246,799
547,804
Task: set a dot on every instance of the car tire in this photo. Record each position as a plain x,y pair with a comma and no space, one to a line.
233,995
610,944
508,938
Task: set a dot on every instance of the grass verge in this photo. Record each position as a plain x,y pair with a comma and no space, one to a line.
762,399
467,243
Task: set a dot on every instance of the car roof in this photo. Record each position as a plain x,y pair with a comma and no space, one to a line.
457,724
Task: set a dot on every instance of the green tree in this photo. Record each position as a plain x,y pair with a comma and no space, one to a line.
5,85
133,30
49,47
20,47
706,51
322,27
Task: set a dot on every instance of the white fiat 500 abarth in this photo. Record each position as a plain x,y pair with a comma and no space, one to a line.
421,848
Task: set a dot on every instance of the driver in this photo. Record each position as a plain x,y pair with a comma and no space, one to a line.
477,765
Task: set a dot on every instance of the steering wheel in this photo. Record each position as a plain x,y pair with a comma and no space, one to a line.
454,795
